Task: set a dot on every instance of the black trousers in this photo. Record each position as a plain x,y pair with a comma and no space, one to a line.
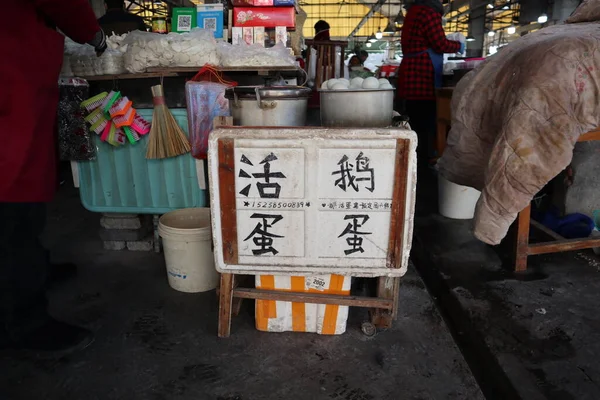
23,269
422,114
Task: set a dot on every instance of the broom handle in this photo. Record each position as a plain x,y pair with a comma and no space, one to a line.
158,94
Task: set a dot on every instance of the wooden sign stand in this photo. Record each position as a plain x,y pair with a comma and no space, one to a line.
384,307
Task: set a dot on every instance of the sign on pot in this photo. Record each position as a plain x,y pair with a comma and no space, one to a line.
312,201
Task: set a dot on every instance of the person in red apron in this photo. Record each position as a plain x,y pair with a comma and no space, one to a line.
32,55
423,46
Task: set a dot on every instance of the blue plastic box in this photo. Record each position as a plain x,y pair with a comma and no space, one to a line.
122,180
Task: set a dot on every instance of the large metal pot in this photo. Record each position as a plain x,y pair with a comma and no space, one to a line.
268,105
360,108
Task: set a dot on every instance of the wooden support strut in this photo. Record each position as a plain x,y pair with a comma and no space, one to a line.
388,288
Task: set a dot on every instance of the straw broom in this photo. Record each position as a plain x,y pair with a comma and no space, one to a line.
166,137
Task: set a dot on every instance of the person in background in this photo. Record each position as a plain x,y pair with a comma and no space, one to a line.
363,56
28,107
118,20
357,69
322,31
423,45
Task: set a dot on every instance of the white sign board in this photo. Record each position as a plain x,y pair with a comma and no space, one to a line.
306,201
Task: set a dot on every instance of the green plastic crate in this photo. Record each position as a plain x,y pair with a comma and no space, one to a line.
122,180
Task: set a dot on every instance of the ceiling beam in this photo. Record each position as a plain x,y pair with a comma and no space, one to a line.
376,7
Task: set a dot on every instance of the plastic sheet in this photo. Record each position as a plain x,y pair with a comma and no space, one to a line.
74,139
112,62
243,55
82,61
193,49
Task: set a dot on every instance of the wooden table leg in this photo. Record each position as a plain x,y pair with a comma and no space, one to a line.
522,243
387,288
225,305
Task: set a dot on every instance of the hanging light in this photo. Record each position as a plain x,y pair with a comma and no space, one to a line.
399,18
542,19
372,38
470,38
506,7
390,28
368,44
491,33
511,30
379,34
490,5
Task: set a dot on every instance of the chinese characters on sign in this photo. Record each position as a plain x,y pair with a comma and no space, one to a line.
311,201
275,217
261,236
266,188
351,174
354,238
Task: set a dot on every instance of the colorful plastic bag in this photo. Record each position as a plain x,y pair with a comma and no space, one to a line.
205,96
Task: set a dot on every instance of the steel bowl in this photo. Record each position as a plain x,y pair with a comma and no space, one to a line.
357,108
268,105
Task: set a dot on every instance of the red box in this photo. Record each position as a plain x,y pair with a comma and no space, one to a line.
252,3
269,17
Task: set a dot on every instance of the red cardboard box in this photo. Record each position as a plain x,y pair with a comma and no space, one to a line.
269,17
253,3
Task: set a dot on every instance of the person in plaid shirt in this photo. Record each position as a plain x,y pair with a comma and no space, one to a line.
423,45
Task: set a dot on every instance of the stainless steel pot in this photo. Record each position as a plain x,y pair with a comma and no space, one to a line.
360,108
268,105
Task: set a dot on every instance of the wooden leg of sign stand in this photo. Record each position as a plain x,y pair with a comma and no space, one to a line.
387,288
225,304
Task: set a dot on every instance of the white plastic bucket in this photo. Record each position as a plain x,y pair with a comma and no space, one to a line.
187,243
456,201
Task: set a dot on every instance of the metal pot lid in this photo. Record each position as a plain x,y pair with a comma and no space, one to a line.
268,92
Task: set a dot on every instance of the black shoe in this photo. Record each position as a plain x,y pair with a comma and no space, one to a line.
55,337
61,272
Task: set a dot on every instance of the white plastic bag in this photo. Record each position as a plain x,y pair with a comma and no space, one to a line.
243,55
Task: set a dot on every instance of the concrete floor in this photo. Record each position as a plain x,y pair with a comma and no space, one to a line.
531,336
155,343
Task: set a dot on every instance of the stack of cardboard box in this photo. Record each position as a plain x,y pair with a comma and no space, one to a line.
254,21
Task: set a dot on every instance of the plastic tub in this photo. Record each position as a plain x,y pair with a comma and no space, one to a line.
187,242
456,201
